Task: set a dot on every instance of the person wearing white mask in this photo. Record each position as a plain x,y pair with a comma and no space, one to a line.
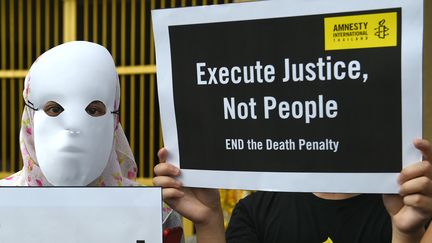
70,132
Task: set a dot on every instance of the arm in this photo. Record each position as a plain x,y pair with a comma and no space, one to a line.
200,205
412,208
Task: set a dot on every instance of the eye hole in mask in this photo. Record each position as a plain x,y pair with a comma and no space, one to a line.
52,108
96,108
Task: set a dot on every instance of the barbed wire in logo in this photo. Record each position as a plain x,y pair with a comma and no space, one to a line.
381,30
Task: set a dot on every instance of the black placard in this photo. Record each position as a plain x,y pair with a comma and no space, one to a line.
367,125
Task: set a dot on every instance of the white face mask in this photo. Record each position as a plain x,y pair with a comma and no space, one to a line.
73,86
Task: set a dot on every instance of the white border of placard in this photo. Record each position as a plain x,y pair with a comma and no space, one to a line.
59,214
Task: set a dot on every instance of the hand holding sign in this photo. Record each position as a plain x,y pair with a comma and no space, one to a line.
200,205
412,208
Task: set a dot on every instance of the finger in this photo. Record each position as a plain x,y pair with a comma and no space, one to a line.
172,193
166,182
422,185
166,169
162,154
425,147
415,170
419,201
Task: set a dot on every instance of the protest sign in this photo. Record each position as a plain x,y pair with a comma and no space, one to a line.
291,95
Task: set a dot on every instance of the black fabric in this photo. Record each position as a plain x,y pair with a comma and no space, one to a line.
268,217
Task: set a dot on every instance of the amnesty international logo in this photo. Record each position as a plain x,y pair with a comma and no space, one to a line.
382,30
360,31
